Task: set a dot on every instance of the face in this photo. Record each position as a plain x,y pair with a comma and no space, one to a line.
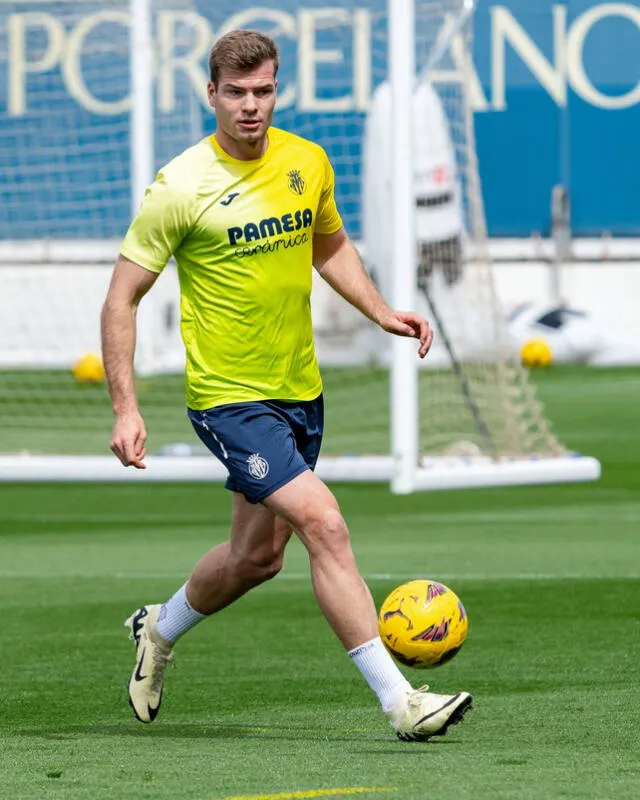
244,103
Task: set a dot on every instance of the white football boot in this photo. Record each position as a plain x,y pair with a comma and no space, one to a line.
420,714
153,654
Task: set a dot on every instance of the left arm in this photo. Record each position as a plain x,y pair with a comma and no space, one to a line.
338,262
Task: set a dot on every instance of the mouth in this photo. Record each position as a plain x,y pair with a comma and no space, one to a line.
250,124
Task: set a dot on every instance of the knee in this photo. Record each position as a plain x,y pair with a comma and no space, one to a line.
257,567
326,531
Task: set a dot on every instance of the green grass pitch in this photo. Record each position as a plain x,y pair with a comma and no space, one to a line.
263,702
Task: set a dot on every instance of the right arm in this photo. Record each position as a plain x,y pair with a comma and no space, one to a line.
129,283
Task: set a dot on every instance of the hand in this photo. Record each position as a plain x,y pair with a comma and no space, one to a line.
128,440
408,323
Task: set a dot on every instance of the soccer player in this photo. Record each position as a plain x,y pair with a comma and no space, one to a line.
246,213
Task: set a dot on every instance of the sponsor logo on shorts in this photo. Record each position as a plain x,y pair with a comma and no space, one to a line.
258,466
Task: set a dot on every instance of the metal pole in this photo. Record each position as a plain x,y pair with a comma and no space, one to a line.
142,156
561,235
404,368
141,46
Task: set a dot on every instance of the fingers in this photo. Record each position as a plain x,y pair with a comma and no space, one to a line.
135,457
405,330
402,323
129,457
426,338
129,446
130,460
426,345
410,324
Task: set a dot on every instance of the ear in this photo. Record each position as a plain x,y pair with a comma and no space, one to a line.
211,94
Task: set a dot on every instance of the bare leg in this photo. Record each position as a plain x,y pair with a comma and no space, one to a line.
312,511
253,554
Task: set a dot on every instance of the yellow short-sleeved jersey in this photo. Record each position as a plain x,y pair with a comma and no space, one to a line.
241,233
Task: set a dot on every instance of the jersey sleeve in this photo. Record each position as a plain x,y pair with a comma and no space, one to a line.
159,227
328,218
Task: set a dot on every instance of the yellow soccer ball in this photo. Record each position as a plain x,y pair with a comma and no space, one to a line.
423,623
536,353
89,369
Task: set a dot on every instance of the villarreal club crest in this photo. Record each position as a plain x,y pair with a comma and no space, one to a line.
297,183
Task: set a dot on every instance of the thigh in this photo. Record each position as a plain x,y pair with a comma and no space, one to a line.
256,530
256,444
302,499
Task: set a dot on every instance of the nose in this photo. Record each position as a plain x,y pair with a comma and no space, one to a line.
249,104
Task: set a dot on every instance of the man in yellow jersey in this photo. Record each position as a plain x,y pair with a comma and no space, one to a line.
247,213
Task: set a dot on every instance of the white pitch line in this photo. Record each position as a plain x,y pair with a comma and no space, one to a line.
623,512
376,576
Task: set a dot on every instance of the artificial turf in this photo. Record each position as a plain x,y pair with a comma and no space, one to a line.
264,702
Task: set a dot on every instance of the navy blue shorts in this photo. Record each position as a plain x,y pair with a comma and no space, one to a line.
263,444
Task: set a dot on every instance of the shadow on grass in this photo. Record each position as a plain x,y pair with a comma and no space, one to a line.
365,740
200,731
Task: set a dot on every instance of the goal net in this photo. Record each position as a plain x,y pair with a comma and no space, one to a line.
68,153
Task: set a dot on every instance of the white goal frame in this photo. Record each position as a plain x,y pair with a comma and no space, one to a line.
408,472
407,476
402,469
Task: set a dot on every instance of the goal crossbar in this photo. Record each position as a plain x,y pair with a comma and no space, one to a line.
434,474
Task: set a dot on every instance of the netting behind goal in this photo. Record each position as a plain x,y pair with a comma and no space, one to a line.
65,203
65,198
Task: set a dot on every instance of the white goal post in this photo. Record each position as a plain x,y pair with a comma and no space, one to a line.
466,417
411,472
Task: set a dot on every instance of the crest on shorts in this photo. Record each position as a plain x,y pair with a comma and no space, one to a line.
297,183
258,466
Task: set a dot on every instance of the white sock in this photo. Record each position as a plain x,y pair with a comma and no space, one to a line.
177,617
380,671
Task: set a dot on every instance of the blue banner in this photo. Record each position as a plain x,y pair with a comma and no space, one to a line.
555,89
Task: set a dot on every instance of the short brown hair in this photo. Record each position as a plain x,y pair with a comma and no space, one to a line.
241,51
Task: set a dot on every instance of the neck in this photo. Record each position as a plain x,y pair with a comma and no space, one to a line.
243,151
